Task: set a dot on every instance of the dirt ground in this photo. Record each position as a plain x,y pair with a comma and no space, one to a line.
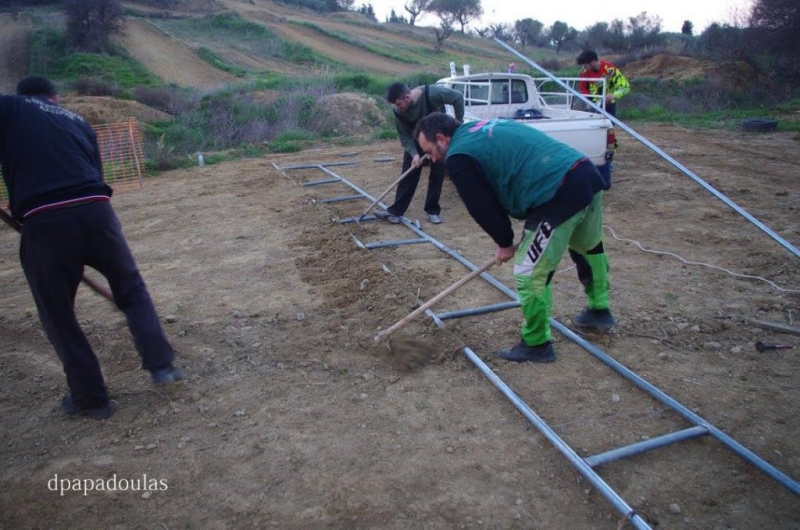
293,417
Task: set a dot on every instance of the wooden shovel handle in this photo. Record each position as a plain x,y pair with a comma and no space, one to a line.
96,287
395,183
424,307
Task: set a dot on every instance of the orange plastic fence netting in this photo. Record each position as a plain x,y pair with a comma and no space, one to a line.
121,152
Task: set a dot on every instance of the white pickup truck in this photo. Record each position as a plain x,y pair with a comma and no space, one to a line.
516,96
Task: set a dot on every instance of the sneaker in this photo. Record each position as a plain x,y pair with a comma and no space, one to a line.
543,353
95,413
600,319
165,376
387,216
434,218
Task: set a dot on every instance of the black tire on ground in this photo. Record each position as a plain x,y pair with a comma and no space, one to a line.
759,125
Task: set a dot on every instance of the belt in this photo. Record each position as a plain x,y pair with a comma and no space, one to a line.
66,204
577,163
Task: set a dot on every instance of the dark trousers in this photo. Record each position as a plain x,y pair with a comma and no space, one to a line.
408,186
55,247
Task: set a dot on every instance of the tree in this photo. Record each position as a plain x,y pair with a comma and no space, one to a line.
560,34
528,32
774,28
91,23
332,6
500,31
687,28
595,35
643,31
393,17
776,14
463,11
415,8
445,29
368,12
615,37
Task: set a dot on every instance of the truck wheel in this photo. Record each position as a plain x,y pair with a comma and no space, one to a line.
759,125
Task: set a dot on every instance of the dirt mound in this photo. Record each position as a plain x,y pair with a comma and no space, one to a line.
678,68
669,67
98,110
351,114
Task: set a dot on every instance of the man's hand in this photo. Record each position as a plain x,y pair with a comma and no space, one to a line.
418,160
503,254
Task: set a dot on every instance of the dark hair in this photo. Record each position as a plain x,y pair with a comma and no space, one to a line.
35,86
397,91
435,123
586,57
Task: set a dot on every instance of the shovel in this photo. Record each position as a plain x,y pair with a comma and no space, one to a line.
395,183
96,287
424,307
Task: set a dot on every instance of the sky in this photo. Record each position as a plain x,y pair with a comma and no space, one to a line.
580,14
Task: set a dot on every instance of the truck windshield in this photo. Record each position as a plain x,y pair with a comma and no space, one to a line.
494,91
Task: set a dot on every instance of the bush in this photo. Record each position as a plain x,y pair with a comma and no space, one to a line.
171,100
385,134
87,86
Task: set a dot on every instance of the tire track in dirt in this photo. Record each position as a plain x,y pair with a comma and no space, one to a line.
327,46
168,59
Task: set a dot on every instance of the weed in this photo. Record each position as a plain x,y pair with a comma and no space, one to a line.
385,134
219,63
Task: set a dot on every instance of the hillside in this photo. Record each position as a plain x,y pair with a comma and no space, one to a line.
342,41
210,44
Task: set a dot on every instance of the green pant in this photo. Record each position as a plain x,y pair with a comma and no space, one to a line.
538,256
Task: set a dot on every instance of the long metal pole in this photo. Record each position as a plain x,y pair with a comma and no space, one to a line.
764,228
575,459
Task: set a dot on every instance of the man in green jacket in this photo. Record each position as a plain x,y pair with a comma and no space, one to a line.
501,168
411,105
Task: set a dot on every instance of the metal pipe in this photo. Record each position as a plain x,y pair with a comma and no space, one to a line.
358,242
647,445
319,182
764,228
478,310
324,164
583,468
342,198
436,320
656,393
396,242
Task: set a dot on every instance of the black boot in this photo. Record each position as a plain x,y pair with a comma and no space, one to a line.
543,353
600,319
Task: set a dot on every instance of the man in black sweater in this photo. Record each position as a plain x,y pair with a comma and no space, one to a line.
410,106
54,176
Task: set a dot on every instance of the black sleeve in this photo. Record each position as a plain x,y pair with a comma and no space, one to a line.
480,199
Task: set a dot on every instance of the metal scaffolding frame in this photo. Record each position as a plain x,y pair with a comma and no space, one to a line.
585,465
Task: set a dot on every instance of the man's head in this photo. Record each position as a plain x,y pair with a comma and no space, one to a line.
399,95
36,86
433,133
588,59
